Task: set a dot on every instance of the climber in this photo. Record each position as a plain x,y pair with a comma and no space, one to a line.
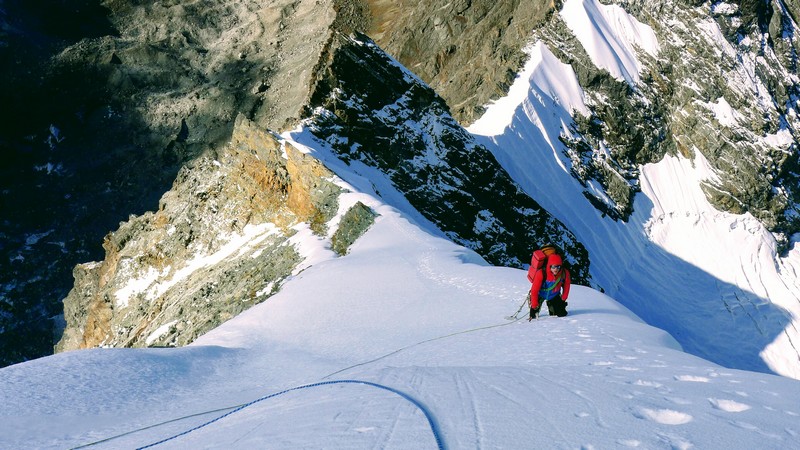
550,284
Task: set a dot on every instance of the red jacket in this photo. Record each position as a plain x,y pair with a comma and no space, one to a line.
545,285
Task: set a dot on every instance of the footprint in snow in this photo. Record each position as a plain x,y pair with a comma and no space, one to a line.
678,400
664,416
728,405
675,442
692,378
647,383
602,363
752,428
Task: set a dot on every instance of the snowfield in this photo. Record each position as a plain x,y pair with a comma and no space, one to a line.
402,344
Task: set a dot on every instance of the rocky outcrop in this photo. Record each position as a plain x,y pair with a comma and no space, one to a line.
354,223
217,245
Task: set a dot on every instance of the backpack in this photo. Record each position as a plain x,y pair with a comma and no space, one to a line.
539,258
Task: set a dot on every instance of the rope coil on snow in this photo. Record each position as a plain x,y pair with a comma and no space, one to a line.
428,415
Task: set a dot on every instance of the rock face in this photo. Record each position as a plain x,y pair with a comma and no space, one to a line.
468,51
354,223
730,95
110,99
217,245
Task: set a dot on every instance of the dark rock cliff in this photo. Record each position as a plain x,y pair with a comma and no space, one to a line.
110,99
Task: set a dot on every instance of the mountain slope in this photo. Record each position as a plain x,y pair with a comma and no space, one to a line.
331,363
127,93
681,78
172,275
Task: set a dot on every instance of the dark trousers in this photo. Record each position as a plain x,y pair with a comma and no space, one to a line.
557,307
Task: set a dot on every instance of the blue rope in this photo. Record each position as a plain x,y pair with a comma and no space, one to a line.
428,415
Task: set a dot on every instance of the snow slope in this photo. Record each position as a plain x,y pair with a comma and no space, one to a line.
713,279
401,344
